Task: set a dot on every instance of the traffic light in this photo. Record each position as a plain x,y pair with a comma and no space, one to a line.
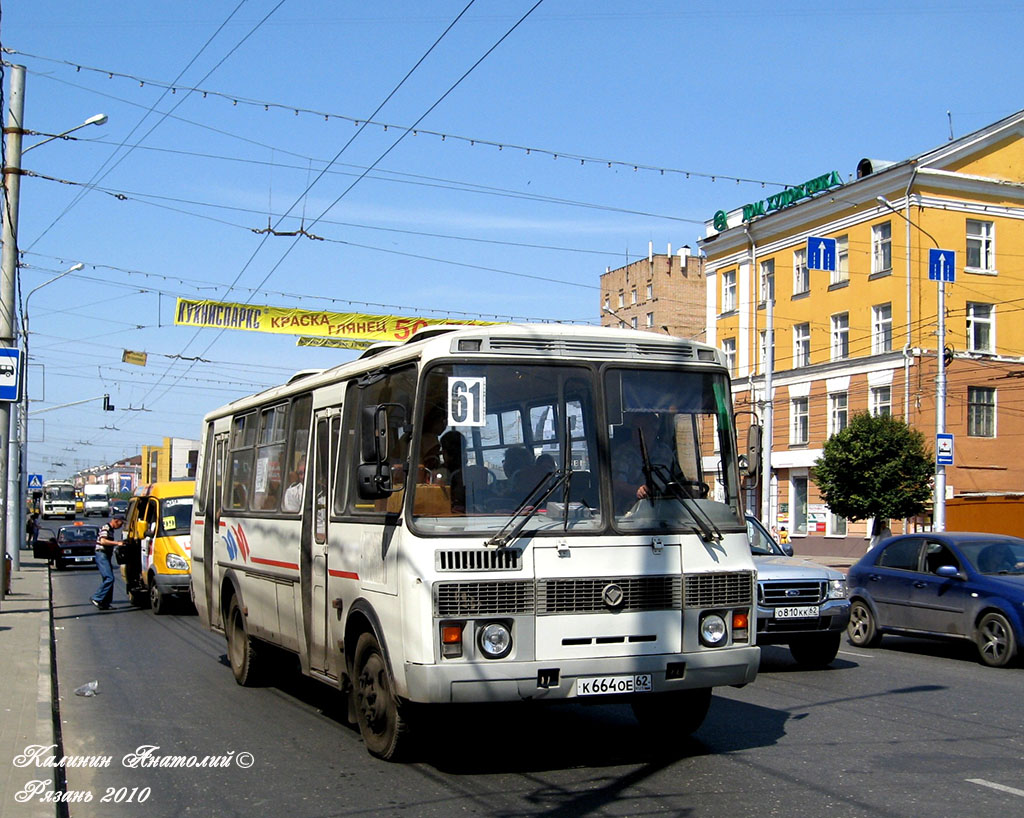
107,405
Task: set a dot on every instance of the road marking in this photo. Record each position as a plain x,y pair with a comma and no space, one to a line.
861,655
1001,787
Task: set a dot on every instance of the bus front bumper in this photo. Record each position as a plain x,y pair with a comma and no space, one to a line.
499,681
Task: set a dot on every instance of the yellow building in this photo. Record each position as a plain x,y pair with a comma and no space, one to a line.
174,460
864,336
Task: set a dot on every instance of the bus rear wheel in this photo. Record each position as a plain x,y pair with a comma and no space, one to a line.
243,650
384,729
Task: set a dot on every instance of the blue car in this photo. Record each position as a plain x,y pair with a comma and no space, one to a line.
953,584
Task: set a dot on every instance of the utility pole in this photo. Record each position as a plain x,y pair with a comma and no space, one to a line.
9,271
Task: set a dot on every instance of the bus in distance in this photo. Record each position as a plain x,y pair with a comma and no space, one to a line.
58,499
484,514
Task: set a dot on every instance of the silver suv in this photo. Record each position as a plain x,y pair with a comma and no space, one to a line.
799,603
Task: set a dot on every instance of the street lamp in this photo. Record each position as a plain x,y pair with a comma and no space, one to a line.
939,503
615,315
11,501
96,119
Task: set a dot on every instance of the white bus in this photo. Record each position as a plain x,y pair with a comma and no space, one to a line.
58,499
485,514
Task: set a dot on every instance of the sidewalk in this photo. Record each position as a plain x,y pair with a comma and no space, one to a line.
25,683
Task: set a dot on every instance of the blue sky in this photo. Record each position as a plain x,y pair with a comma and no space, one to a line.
774,92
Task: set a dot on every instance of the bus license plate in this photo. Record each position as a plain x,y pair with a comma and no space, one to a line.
801,612
604,685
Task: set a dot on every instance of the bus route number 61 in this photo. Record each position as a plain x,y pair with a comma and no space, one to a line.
467,400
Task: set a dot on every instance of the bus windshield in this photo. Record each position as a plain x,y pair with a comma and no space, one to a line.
538,448
176,516
60,492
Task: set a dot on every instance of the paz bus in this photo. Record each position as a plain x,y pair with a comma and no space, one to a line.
58,499
485,514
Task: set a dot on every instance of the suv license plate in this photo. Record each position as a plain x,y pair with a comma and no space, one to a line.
801,612
604,685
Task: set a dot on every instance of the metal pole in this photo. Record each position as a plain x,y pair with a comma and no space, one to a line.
939,514
769,410
8,273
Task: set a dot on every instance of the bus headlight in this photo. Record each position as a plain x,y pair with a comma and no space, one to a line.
713,630
176,563
495,640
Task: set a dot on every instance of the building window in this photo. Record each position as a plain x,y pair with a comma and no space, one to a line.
881,329
840,336
981,327
729,349
801,278
607,302
649,320
842,271
762,341
981,411
881,248
801,345
837,412
767,279
981,246
836,525
728,291
632,296
800,429
622,300
633,322
881,401
650,291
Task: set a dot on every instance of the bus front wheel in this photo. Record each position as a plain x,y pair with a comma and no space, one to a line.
243,650
672,715
384,729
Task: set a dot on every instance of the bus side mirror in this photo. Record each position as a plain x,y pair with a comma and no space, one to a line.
753,451
373,476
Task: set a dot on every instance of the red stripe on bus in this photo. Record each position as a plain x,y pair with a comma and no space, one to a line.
276,563
200,522
343,574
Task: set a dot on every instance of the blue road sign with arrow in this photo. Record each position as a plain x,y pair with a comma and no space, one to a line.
944,449
941,265
821,254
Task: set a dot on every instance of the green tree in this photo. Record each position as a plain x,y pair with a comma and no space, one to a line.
876,467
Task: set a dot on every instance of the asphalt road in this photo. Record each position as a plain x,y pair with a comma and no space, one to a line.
913,728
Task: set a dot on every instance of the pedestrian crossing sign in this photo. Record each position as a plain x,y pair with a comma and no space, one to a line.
35,481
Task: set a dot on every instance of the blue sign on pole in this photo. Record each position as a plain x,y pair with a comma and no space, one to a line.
35,481
9,369
821,254
126,482
941,265
944,449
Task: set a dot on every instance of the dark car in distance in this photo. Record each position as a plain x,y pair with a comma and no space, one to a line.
119,507
71,545
960,585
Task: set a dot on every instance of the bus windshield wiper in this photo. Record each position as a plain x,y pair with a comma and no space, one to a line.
545,487
708,530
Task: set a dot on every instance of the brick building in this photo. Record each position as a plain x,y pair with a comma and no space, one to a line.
662,293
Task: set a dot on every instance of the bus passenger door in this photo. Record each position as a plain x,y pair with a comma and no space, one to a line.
316,523
211,524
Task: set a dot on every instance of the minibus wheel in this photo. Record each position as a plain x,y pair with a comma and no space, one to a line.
157,601
384,729
243,650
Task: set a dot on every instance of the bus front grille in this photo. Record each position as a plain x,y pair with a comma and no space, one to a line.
587,594
719,590
461,599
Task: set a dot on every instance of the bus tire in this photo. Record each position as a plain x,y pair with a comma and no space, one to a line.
243,650
384,729
158,601
669,716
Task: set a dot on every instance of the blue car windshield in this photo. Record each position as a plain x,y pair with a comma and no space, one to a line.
996,556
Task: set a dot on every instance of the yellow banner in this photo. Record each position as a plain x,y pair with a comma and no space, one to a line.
332,343
293,321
